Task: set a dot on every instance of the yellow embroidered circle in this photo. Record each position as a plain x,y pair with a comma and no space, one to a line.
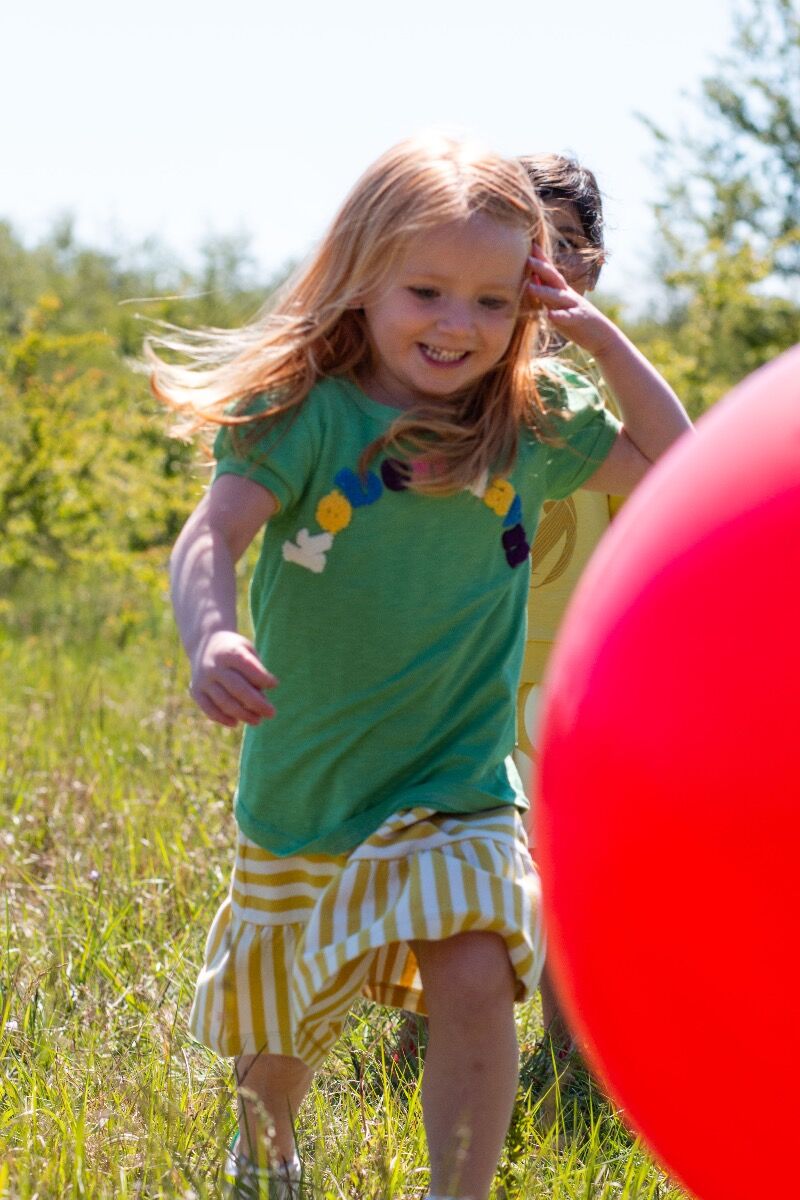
499,496
334,512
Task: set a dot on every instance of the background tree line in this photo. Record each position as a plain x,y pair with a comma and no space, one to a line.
87,473
89,481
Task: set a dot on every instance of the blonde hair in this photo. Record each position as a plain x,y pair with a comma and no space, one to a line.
315,326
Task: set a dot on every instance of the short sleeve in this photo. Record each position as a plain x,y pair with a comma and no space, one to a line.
278,451
584,427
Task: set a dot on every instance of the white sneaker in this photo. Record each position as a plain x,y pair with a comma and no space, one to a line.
245,1181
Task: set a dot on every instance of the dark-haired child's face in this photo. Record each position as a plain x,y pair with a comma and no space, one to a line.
574,255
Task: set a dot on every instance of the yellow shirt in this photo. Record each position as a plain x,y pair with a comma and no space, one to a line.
568,532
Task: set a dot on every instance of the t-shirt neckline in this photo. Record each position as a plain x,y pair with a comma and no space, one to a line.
387,412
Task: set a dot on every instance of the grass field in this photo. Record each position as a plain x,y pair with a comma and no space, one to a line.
115,841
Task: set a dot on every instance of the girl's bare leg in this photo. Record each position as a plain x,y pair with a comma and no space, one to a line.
472,1062
271,1090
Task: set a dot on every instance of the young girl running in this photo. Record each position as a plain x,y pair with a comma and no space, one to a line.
385,423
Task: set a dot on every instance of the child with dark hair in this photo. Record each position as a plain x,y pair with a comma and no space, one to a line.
569,529
573,204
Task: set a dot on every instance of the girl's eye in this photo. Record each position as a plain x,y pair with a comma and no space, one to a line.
494,303
571,249
424,293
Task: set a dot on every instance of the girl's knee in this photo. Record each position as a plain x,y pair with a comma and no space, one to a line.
465,973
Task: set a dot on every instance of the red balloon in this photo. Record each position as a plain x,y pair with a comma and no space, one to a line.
668,829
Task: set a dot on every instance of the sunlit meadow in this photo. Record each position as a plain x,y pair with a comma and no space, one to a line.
116,834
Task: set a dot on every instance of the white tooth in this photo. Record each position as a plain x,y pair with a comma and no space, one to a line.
444,355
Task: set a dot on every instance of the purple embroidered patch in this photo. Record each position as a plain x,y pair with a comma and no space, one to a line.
395,474
515,545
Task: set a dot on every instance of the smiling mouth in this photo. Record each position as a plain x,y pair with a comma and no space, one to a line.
438,355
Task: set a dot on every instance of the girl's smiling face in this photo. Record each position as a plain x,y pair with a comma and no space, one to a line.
448,311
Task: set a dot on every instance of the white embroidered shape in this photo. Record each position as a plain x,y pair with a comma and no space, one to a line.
478,488
308,550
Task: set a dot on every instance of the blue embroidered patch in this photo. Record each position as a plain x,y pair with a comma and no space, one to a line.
514,514
357,490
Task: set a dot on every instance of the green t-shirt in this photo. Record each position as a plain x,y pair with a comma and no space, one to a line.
394,621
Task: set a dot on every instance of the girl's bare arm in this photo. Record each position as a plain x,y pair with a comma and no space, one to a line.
652,415
228,678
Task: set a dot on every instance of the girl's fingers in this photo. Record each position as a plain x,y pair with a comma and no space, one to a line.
222,700
232,708
250,699
243,659
551,297
206,705
256,673
229,682
544,270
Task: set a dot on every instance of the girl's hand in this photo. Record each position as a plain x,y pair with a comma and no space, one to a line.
228,680
570,314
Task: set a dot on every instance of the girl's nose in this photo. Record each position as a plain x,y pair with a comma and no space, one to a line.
457,318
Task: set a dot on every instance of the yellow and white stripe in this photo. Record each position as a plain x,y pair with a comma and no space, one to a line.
298,939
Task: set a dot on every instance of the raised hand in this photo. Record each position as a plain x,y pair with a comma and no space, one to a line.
228,680
569,313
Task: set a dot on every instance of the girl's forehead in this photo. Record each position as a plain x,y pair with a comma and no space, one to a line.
565,216
480,238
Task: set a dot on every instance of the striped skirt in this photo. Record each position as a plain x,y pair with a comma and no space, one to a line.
298,939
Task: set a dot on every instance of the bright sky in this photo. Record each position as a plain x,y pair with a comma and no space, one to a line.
184,118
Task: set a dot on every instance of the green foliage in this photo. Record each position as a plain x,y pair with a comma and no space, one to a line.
734,177
721,329
730,215
89,477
